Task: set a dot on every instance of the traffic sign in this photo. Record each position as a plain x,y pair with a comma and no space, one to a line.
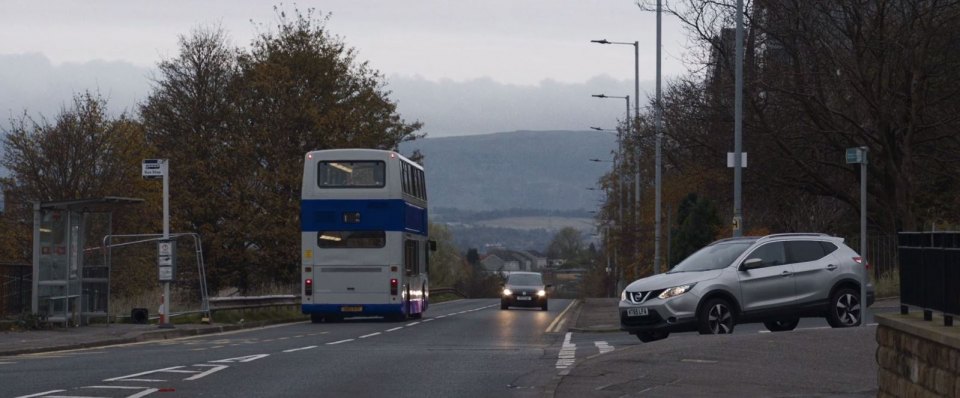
854,155
731,157
167,259
153,168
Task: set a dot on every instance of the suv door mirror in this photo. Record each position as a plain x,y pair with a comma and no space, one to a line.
751,263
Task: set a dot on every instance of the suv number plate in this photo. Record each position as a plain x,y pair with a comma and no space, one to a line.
641,311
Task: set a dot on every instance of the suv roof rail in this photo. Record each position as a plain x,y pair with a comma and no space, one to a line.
783,235
736,238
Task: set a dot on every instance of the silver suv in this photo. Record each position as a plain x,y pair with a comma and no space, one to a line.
775,279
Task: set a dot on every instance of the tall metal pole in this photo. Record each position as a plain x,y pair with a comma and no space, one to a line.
738,127
636,116
165,164
863,236
657,116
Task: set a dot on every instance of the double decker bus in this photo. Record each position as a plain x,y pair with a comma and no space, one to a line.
363,222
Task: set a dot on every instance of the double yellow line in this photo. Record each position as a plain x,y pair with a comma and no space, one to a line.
561,320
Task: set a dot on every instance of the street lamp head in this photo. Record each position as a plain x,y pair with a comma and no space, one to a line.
599,95
602,41
596,128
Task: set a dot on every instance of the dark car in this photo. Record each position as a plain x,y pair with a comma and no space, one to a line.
524,289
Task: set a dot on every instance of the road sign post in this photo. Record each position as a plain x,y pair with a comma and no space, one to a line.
858,155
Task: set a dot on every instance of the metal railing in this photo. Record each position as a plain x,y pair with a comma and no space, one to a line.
16,285
930,273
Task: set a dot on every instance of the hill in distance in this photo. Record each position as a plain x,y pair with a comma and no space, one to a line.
521,186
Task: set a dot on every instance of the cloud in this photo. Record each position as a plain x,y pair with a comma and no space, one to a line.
31,83
480,106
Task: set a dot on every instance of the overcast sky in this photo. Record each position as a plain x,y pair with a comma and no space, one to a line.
459,67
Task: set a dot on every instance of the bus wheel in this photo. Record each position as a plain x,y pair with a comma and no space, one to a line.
316,318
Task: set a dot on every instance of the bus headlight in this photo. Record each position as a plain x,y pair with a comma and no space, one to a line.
507,292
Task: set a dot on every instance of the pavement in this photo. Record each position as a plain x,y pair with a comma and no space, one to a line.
58,339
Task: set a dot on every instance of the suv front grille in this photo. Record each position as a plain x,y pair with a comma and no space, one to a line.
641,297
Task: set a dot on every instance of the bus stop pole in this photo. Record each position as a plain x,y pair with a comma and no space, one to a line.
166,236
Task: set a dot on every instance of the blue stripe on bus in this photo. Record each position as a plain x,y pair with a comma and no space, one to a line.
375,214
368,309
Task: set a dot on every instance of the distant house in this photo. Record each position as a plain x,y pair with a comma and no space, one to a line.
531,261
497,263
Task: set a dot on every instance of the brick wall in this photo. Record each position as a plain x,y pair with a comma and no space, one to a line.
917,358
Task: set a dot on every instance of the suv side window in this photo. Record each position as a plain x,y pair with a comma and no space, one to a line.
802,251
828,247
771,254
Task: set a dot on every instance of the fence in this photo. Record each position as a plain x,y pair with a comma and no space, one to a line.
930,273
882,253
16,284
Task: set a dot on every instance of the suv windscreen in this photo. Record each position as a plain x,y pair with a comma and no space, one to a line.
525,280
712,257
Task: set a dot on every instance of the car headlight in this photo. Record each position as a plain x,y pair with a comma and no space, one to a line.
623,295
507,292
675,291
541,293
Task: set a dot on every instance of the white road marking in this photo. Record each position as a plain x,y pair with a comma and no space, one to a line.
301,348
567,355
214,369
133,376
146,390
248,358
698,360
428,320
603,346
369,335
441,316
298,336
284,338
7,363
340,342
411,324
40,394
395,329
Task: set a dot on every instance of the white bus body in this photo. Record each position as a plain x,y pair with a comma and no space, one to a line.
363,218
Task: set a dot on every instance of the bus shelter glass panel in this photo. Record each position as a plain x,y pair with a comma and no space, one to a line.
95,272
58,286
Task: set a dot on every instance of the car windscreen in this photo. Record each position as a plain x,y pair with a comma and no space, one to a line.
525,280
712,257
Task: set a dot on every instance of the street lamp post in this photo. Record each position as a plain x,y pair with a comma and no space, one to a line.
620,166
636,114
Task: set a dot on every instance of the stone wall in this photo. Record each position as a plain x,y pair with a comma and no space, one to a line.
917,358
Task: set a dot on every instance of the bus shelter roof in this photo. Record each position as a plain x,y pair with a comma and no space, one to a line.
103,204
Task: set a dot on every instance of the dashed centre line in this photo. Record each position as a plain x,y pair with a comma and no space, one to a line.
395,329
369,335
340,342
301,348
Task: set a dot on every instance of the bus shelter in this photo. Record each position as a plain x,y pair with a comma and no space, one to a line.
71,276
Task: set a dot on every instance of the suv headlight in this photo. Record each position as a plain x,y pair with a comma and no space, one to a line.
507,292
675,291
